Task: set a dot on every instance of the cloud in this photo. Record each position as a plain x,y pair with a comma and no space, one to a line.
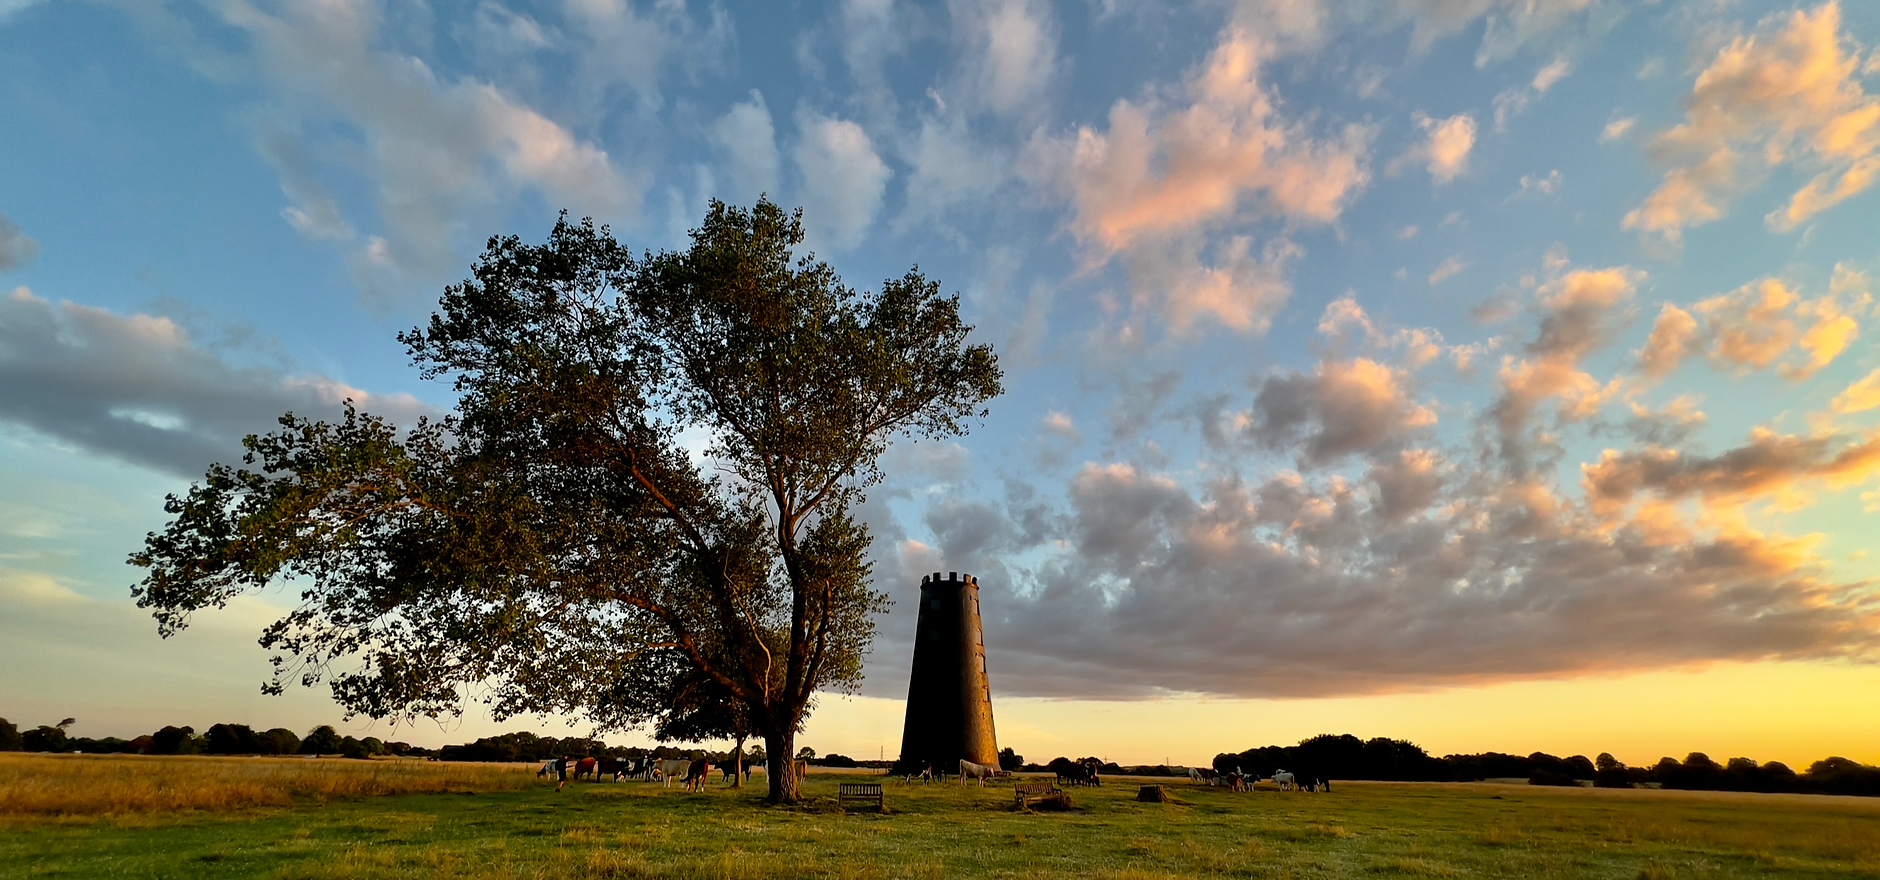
1331,540
436,152
497,30
1061,425
1762,324
16,247
619,44
1617,129
1673,333
749,143
1344,407
1297,587
1139,400
1449,145
1166,176
10,8
1769,464
1419,565
1512,102
1156,172
950,167
1232,285
1449,268
871,31
1407,484
1580,312
1534,185
1444,150
1789,94
1861,396
843,179
1554,72
1510,26
136,388
1010,50
1756,326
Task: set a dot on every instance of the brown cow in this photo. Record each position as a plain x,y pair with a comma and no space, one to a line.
586,767
695,775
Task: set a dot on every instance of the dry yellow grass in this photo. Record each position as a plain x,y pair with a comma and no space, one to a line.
94,785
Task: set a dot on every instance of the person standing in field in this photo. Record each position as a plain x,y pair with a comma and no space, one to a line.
561,772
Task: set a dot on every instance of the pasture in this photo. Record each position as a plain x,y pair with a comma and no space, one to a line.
413,820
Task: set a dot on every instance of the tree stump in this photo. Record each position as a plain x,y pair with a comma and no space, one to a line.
1152,794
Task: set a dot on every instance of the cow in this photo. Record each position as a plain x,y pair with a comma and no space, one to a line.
925,774
1234,781
667,768
548,767
1091,766
695,774
1201,775
586,767
976,771
1284,780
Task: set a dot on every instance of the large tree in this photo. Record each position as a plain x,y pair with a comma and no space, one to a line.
649,475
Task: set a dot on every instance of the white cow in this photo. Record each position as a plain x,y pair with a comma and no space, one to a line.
977,771
1284,780
668,768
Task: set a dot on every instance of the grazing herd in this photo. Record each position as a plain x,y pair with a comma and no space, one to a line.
1234,780
1079,772
691,773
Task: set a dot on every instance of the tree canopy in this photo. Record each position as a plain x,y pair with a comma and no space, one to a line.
648,476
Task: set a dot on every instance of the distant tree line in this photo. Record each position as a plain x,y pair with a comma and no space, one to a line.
1331,756
525,746
219,739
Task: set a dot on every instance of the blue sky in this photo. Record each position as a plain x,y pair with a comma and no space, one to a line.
1371,364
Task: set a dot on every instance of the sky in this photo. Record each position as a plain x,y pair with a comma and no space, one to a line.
1492,374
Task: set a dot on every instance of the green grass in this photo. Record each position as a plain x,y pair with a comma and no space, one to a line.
635,829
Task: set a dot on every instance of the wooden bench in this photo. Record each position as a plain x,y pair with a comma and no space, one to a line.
1028,793
861,793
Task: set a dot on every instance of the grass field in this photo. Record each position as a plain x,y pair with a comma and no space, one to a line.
479,821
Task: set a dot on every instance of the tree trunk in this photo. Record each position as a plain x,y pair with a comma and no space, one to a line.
780,766
737,764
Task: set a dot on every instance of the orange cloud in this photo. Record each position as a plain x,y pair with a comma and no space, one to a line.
1769,465
1671,339
1861,396
1757,324
1789,94
1578,317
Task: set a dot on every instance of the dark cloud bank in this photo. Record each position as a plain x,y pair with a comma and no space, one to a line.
138,389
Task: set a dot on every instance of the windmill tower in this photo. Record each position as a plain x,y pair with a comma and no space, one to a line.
949,701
